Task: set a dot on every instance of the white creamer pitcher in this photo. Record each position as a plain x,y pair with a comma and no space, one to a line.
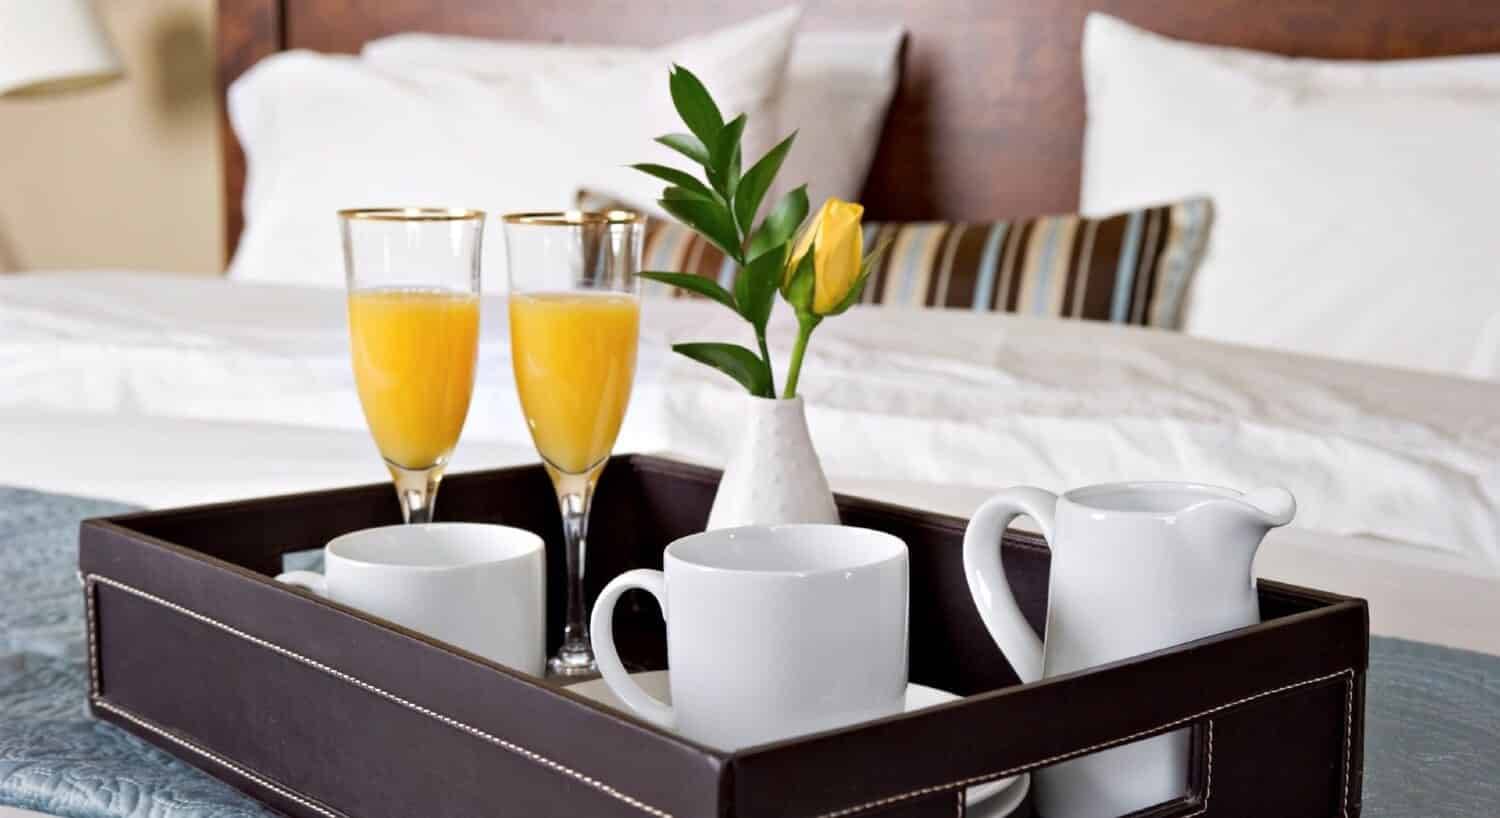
1136,567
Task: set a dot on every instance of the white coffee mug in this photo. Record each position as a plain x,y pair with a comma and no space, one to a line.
478,587
772,632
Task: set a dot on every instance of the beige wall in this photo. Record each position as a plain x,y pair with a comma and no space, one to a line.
126,175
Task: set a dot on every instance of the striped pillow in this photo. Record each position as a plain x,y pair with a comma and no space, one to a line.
1129,268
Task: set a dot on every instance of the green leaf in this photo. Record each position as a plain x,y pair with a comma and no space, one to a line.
675,177
757,180
705,287
687,145
709,218
735,361
723,148
723,157
798,287
858,289
782,224
675,192
732,182
695,105
755,287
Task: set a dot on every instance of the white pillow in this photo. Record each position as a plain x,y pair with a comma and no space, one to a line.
1354,201
324,132
837,88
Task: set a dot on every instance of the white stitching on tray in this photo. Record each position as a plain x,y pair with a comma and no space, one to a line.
363,685
1208,775
88,606
209,754
979,779
1348,739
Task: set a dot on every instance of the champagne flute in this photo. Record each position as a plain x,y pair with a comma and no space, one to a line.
413,276
574,327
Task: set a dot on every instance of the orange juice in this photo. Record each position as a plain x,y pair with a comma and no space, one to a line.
574,358
414,352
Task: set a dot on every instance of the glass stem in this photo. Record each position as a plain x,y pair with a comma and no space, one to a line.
575,517
575,494
417,489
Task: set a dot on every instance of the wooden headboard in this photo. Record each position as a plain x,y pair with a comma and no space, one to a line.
988,121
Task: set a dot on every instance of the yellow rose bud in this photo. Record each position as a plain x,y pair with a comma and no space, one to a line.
840,248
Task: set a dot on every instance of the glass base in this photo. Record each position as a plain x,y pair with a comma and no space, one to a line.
574,661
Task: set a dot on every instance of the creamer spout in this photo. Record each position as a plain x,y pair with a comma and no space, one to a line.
1275,505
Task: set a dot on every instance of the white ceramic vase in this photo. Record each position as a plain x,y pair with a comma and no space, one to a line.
773,475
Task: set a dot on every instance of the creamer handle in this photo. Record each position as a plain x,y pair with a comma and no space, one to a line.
986,574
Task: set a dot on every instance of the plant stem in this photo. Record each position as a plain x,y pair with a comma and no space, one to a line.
765,355
805,327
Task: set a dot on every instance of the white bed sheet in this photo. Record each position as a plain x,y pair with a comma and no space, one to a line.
167,390
161,462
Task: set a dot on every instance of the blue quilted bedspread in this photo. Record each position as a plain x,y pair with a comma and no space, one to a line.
1432,745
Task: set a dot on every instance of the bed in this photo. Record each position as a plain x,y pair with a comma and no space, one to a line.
161,390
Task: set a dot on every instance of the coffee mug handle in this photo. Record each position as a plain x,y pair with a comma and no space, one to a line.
311,580
986,574
614,672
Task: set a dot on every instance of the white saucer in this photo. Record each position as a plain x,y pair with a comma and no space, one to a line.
982,798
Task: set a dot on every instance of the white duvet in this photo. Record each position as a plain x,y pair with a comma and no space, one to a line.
942,399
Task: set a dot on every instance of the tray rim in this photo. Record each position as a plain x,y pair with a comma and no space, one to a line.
1330,604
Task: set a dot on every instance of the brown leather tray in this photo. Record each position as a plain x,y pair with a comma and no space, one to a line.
321,711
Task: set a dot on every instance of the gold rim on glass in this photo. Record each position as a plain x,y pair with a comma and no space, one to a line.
575,217
412,214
